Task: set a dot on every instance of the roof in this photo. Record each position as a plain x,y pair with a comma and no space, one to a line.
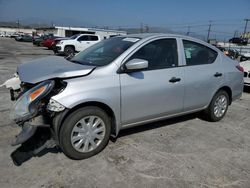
152,35
148,36
89,29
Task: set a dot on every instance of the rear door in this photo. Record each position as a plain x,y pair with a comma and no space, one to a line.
93,39
154,92
203,74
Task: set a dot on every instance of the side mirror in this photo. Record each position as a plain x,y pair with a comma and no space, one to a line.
136,64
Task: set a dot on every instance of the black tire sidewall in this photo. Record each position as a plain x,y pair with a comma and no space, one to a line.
68,50
69,123
210,110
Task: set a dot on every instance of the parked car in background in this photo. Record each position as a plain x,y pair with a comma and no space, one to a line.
7,35
246,67
77,43
14,35
49,42
237,40
24,38
37,40
119,83
55,42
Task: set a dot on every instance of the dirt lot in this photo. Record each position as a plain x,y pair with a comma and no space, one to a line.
181,152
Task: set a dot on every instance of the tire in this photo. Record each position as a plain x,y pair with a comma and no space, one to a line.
68,50
210,112
75,148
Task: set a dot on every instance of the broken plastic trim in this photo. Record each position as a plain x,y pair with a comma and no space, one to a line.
37,145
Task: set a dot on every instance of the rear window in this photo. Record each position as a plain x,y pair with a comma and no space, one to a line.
93,38
198,54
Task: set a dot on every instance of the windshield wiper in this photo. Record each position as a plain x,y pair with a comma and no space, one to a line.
75,61
81,62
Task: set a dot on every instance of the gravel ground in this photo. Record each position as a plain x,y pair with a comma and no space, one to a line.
180,152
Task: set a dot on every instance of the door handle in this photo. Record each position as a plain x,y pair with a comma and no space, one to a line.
87,42
218,74
174,79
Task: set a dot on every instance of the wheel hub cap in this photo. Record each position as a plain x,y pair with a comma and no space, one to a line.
220,106
88,133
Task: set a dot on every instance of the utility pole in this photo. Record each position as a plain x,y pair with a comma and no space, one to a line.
209,30
235,33
146,28
18,25
245,29
244,33
188,32
141,29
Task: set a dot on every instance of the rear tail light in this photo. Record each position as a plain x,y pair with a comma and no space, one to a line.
240,68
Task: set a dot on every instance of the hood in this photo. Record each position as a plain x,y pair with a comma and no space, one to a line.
245,65
50,67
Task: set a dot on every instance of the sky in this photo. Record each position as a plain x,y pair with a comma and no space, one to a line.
227,16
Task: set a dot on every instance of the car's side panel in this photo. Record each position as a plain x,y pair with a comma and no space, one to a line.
96,87
233,78
149,94
201,83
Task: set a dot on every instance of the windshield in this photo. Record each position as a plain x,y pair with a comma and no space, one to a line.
74,36
105,51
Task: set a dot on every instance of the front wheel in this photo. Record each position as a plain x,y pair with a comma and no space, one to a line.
85,132
69,50
218,106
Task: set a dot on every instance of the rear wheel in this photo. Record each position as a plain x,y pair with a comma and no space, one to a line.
85,133
218,106
69,50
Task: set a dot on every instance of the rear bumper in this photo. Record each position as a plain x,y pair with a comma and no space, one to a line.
247,84
235,97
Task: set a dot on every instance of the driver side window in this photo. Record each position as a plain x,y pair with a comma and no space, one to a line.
160,54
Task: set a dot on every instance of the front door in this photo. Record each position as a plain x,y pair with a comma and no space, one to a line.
157,91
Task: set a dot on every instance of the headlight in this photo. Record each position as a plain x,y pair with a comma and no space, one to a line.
61,42
26,106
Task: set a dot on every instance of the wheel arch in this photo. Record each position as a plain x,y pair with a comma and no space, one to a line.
70,45
229,92
60,118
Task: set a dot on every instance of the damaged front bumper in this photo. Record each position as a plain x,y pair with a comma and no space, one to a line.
33,112
28,129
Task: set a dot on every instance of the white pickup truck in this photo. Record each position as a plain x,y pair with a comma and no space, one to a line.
77,43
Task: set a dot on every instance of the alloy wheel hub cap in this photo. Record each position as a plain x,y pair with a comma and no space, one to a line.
220,106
